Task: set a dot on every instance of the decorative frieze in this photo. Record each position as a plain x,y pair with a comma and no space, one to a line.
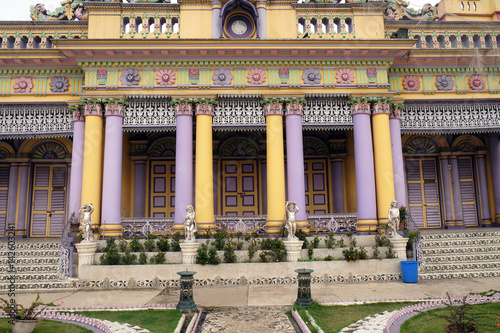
326,109
152,112
238,110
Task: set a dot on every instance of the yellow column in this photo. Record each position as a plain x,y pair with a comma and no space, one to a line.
92,158
384,175
204,186
275,168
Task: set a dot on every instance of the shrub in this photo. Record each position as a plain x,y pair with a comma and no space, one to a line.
340,243
213,259
122,245
315,242
220,237
135,244
252,248
176,247
382,241
150,236
110,243
143,258
390,252
163,244
330,240
274,249
158,258
202,256
111,256
376,253
229,255
328,258
351,254
310,250
128,258
362,253
301,235
149,245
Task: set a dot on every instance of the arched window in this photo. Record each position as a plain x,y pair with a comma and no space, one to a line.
465,42
175,25
440,40
488,41
126,25
163,25
430,42
477,41
151,25
300,25
348,23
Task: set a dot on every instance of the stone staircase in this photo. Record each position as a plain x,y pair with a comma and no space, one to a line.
36,266
461,254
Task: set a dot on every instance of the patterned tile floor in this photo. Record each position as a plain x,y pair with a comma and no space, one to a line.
247,320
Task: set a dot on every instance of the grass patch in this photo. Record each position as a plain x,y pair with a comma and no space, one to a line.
333,318
46,326
424,322
158,321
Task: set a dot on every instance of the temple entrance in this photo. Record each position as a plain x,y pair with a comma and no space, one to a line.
162,189
467,190
239,188
4,191
48,200
316,186
423,192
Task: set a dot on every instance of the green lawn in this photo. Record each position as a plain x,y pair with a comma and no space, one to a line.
46,326
157,321
424,322
332,318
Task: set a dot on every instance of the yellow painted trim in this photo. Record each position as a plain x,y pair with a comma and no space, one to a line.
204,186
489,182
366,225
28,145
275,173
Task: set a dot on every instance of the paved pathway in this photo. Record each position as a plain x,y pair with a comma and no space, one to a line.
247,320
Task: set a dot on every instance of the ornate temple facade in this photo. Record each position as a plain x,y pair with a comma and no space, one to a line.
237,106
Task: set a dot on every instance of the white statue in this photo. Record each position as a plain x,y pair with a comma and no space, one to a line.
86,222
394,220
189,224
291,225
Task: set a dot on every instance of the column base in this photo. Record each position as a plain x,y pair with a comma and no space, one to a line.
399,247
179,227
486,223
189,251
293,249
366,225
304,225
273,227
86,252
111,230
204,227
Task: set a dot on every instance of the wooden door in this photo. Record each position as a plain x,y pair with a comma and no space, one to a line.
423,192
48,205
162,189
240,192
4,192
316,186
467,191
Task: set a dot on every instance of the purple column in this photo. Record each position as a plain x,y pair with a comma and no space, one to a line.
397,158
295,159
75,181
13,188
263,172
183,162
338,185
485,205
23,199
455,188
140,187
364,168
216,20
112,174
448,206
495,169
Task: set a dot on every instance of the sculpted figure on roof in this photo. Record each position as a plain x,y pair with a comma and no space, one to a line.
69,10
398,10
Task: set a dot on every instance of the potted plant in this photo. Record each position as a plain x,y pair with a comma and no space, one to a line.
25,319
411,239
383,229
402,217
462,317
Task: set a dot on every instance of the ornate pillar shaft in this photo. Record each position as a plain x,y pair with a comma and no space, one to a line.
295,161
275,168
397,158
216,19
183,162
495,168
384,172
262,19
448,205
92,158
365,176
483,187
204,192
455,188
75,182
112,174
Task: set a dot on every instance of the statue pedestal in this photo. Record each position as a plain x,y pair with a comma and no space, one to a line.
189,251
293,249
86,252
399,247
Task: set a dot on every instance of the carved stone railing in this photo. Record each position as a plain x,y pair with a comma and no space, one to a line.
150,20
244,224
327,110
147,225
28,120
333,222
467,116
149,112
324,21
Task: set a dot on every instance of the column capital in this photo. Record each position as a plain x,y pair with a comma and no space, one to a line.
359,106
294,105
205,106
76,111
182,106
114,107
272,106
91,106
261,4
138,148
397,108
381,105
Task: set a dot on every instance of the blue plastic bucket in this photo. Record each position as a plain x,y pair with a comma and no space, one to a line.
410,271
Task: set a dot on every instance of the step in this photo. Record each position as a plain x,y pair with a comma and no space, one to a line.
39,268
31,261
465,266
460,250
458,275
461,242
32,253
31,246
41,285
462,257
21,277
455,235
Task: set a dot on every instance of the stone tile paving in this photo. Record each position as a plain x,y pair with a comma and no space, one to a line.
370,324
247,320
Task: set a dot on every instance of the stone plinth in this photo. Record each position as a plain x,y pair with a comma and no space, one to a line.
189,251
86,252
399,247
293,248
186,302
304,289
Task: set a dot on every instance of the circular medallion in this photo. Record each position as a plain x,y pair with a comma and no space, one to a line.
239,27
